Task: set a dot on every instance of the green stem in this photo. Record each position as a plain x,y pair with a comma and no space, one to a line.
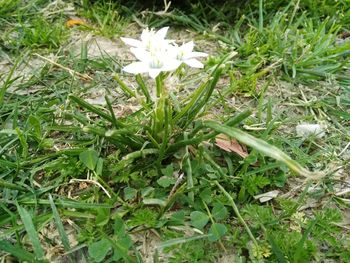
159,86
190,183
238,214
261,16
165,125
213,222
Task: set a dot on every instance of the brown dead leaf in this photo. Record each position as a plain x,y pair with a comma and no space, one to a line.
231,145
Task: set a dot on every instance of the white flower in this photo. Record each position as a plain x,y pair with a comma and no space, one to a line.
157,54
151,62
149,39
186,55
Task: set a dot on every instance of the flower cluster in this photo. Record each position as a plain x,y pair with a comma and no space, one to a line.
156,53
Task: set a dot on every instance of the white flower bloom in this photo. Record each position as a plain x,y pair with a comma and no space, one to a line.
151,62
157,54
186,55
149,39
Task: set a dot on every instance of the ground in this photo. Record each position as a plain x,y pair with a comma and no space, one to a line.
235,171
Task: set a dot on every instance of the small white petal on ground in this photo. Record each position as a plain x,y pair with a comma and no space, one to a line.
267,196
307,130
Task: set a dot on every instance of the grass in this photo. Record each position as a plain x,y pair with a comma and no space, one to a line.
117,181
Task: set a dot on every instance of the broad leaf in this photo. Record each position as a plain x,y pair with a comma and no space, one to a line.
217,231
219,212
199,219
99,250
89,158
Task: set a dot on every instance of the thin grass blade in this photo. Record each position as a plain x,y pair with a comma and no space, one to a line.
59,225
31,231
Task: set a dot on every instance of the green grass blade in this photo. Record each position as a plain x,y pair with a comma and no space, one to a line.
195,139
276,249
177,241
261,146
115,122
16,251
143,88
91,108
124,87
23,141
64,203
165,139
32,232
6,184
202,95
59,225
7,83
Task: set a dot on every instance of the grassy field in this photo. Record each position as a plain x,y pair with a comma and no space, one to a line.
200,165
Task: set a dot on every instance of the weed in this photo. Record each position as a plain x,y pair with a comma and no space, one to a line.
106,18
140,177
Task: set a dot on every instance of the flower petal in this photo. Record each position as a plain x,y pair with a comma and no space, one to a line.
194,63
136,68
171,64
141,54
161,33
154,72
187,47
146,33
173,51
131,42
196,55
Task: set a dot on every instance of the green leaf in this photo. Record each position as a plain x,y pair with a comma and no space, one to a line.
276,249
16,251
178,218
6,184
32,233
217,231
166,181
122,246
119,227
23,140
260,145
59,225
99,250
219,211
34,123
102,217
168,171
199,219
91,108
147,191
89,158
99,166
129,193
180,240
205,195
280,179
154,201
